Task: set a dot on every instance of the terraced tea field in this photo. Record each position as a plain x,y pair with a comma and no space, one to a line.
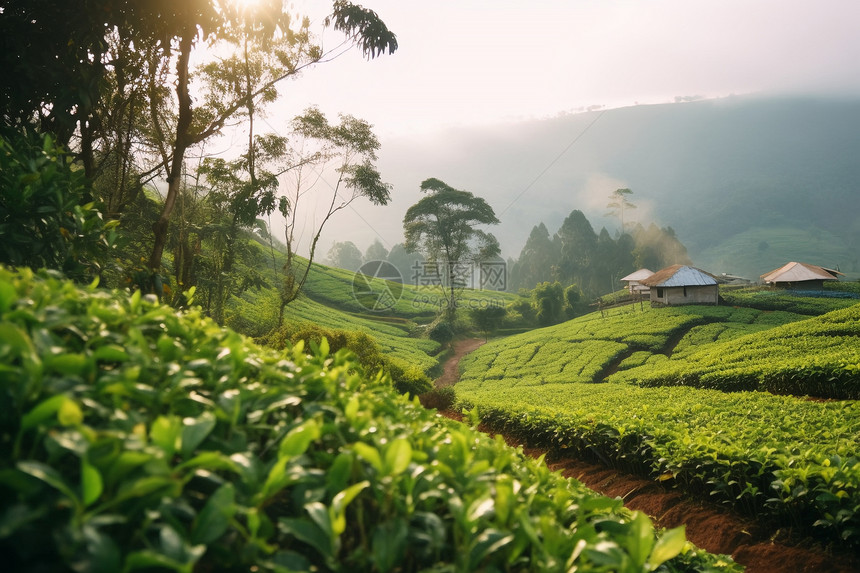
646,391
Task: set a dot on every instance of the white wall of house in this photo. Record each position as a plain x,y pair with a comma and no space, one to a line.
675,296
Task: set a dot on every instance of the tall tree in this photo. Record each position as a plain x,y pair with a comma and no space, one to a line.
537,259
51,54
289,50
345,255
56,55
408,264
578,243
376,251
657,248
348,149
443,226
619,202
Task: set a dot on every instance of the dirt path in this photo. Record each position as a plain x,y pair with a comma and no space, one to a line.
709,526
451,369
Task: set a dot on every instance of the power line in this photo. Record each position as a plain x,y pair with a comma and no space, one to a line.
553,162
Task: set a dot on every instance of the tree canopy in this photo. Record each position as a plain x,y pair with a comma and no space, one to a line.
443,226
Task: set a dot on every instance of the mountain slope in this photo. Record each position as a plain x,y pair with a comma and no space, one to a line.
747,183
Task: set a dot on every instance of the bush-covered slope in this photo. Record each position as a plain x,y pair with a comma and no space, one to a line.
394,338
585,349
819,357
136,438
786,459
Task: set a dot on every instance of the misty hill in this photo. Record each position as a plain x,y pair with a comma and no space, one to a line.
747,183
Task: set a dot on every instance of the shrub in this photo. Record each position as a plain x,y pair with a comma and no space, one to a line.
136,438
46,217
406,379
442,332
439,398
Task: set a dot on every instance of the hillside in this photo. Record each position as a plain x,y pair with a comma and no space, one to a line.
332,298
714,401
138,438
747,183
722,347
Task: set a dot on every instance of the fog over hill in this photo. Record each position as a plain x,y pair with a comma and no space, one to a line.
748,183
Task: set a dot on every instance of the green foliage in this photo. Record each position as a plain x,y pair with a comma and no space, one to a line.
345,255
785,461
439,398
488,319
333,287
594,261
46,219
136,438
443,226
618,202
536,260
787,300
789,461
815,357
406,378
442,332
548,301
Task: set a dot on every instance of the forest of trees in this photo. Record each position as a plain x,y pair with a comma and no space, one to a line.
110,110
575,254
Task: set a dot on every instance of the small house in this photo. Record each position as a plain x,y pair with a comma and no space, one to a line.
634,286
680,284
800,276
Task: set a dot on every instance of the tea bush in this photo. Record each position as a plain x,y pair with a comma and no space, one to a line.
135,438
407,379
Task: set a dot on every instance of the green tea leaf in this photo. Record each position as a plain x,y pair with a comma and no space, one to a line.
398,456
369,454
70,414
194,431
43,411
296,442
91,483
165,432
337,511
50,476
214,519
669,545
111,353
8,295
68,364
103,555
308,532
134,301
640,538
485,544
389,544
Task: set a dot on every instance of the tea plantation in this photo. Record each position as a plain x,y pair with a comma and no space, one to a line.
136,438
689,396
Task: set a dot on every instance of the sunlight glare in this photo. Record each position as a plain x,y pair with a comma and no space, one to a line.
246,4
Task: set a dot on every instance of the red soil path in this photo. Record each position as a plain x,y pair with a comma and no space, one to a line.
451,368
709,526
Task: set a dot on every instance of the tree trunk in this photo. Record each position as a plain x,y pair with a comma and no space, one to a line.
174,177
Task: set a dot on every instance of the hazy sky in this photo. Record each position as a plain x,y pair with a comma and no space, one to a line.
480,61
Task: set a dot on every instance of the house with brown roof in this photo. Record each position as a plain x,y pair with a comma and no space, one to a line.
681,284
800,276
634,286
